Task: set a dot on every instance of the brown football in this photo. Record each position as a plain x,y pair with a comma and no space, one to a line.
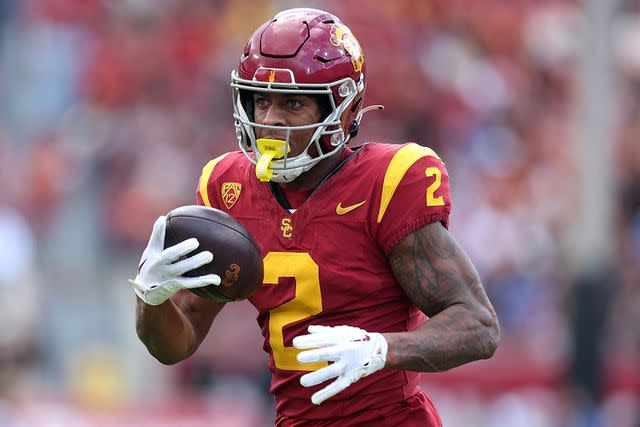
236,256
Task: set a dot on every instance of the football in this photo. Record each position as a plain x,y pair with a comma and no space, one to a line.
236,256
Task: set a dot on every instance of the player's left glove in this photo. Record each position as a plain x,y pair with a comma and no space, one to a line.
355,353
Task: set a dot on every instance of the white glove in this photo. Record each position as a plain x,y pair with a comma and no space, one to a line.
159,271
356,353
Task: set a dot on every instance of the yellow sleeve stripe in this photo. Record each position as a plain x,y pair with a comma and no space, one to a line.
400,163
207,170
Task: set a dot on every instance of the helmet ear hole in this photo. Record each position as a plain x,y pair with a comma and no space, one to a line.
356,104
354,129
355,126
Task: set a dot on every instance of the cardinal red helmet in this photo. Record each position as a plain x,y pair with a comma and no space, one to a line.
301,51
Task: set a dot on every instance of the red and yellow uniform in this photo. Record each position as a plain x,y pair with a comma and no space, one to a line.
326,264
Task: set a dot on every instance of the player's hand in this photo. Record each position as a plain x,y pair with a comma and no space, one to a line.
160,270
355,353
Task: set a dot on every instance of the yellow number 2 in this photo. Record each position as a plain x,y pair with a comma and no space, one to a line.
434,201
306,303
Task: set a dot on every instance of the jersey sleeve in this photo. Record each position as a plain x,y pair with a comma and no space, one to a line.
204,193
414,193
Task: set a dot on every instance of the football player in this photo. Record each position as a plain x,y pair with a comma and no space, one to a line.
364,287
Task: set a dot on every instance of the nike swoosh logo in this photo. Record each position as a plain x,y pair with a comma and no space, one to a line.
343,210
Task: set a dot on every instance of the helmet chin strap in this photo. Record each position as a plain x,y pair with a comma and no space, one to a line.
275,149
287,176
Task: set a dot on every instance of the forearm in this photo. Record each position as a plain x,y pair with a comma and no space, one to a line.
440,280
166,331
453,337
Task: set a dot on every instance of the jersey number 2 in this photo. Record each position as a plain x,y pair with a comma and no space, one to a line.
306,303
431,200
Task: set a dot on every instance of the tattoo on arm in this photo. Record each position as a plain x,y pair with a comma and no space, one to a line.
440,280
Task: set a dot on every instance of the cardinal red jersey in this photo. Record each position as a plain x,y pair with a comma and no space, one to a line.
326,264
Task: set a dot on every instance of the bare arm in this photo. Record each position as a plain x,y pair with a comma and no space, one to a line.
173,330
440,280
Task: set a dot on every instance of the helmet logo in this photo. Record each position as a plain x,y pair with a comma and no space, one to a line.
279,75
342,35
230,193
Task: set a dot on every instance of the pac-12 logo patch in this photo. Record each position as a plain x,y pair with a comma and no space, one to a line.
230,193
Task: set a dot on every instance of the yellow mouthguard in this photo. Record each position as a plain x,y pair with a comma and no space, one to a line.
270,149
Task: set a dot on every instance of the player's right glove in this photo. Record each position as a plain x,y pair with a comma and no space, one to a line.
160,270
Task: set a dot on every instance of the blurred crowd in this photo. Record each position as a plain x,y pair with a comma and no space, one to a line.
109,109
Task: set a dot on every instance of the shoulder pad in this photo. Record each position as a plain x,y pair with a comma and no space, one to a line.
207,170
401,161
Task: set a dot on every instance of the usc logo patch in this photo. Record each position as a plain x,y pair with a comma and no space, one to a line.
231,275
286,227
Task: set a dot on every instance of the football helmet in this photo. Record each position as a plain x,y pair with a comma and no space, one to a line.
304,52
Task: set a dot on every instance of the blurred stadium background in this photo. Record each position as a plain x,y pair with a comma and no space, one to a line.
109,108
